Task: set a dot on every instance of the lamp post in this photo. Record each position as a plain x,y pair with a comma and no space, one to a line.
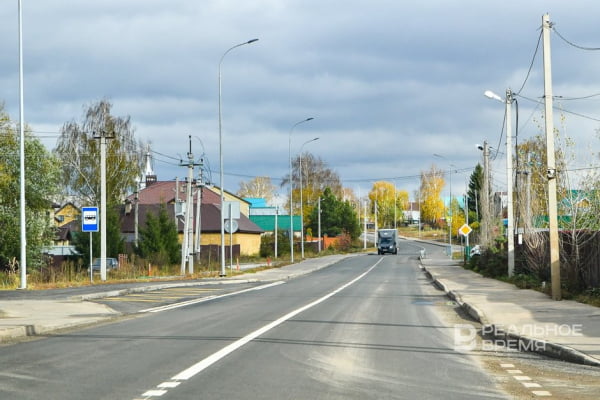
222,223
291,186
301,204
449,204
23,223
508,100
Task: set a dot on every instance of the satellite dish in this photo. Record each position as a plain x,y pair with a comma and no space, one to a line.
231,226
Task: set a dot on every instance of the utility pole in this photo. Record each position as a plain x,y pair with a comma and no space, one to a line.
136,200
103,136
188,225
551,165
22,205
276,228
485,198
364,225
510,230
199,187
319,221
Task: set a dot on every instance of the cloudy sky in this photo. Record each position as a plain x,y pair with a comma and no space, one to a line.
389,83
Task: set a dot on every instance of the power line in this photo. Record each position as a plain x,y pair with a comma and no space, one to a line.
578,98
537,47
573,44
563,109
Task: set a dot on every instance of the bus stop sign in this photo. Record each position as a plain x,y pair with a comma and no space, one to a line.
89,220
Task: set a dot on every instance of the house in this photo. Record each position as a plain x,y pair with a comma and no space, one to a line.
266,217
172,194
67,220
66,214
412,215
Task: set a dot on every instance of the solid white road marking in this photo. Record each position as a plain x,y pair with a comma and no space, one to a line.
208,298
208,361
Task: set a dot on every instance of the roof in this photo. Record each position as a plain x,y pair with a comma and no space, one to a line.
267,222
163,192
210,217
63,233
256,202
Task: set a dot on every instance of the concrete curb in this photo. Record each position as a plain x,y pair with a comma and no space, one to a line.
23,330
554,350
149,288
224,281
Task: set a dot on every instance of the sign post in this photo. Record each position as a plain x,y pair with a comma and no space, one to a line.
89,223
465,230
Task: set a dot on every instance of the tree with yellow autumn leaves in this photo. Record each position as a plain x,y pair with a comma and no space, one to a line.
388,203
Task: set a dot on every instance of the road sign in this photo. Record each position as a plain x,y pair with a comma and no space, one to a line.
465,230
231,226
89,220
231,210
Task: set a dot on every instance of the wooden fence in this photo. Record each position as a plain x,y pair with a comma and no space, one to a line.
579,257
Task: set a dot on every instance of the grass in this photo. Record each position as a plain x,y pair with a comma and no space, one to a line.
70,274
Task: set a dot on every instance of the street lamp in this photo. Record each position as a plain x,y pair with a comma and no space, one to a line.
449,205
291,186
509,178
301,204
221,158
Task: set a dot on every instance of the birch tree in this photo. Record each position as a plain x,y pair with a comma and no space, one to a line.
79,150
432,205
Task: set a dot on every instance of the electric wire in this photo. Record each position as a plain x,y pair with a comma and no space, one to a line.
562,109
573,44
537,47
501,135
577,98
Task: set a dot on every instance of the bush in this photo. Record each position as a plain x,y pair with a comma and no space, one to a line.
267,245
492,262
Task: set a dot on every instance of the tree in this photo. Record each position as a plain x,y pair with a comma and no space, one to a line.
316,177
260,187
389,201
532,185
432,205
79,151
42,179
115,243
159,239
337,216
474,193
458,216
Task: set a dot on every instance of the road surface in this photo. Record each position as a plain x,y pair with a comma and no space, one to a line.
363,328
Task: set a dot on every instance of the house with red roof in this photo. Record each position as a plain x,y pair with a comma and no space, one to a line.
171,194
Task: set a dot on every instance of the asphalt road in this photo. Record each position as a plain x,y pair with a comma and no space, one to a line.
360,329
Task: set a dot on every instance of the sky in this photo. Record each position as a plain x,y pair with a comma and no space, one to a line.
388,83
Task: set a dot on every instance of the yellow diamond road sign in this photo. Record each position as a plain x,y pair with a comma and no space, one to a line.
465,230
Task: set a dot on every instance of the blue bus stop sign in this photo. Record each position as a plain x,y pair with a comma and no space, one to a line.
89,220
